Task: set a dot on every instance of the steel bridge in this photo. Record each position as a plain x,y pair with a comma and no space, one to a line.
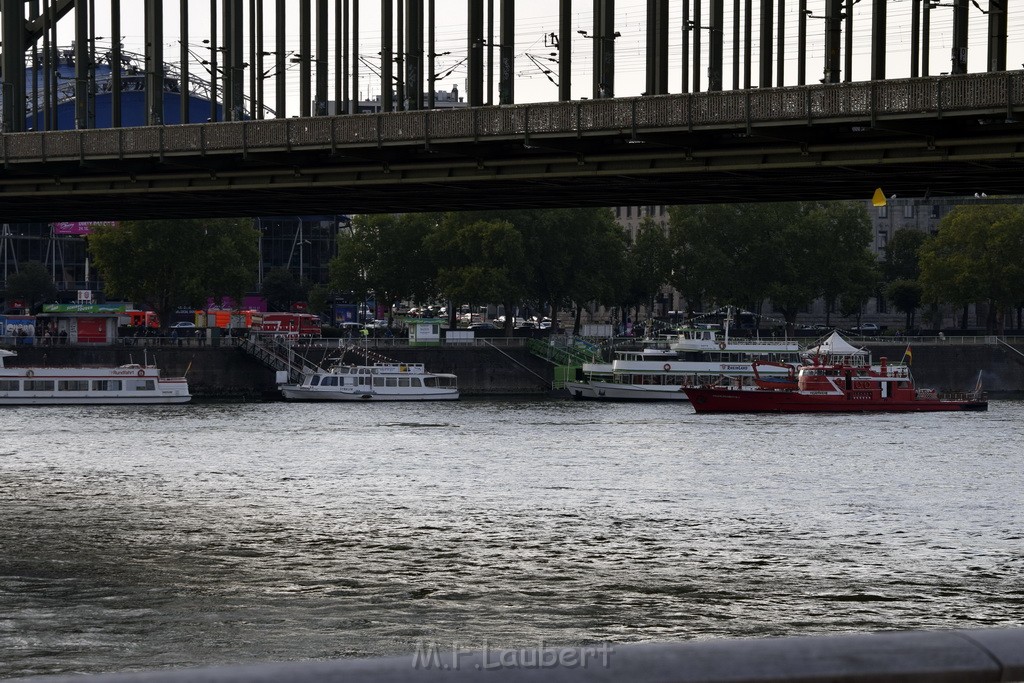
954,134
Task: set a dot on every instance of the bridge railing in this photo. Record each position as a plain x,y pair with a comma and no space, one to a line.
997,93
908,657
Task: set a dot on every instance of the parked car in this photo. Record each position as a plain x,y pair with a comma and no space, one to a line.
183,326
868,329
483,326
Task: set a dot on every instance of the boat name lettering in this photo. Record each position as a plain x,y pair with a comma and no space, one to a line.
735,367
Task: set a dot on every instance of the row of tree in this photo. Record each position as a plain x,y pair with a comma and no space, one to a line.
552,260
580,258
977,256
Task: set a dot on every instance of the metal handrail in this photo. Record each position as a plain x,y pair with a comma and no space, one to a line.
968,656
869,101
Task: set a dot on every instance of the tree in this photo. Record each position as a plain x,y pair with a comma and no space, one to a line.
384,255
648,265
32,284
844,261
479,261
281,289
172,263
905,295
903,255
978,255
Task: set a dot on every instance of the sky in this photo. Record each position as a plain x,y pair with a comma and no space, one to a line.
537,19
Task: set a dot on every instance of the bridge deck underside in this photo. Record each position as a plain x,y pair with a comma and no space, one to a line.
940,137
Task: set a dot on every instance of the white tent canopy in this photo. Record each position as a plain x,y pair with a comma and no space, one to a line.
834,345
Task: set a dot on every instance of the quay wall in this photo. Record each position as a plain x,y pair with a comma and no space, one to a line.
227,372
955,367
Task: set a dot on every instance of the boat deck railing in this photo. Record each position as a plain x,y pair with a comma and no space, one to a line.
968,656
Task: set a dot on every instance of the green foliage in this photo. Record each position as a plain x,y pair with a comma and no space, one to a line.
31,284
281,289
172,263
384,254
649,264
788,252
903,254
978,255
905,295
479,261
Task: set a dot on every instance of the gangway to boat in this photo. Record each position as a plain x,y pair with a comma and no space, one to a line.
276,355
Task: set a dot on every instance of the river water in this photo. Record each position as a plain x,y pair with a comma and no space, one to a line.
136,538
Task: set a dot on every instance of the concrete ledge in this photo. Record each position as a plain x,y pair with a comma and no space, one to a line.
907,657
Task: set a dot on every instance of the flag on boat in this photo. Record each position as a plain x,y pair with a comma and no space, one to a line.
908,355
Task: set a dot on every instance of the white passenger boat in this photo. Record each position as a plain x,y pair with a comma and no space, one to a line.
377,382
695,357
125,384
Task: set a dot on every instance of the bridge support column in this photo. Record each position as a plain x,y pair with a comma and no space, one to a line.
115,67
915,37
507,40
716,40
234,79
322,25
657,47
82,64
305,58
183,57
833,34
736,45
765,60
959,51
878,40
354,102
414,53
564,50
387,30
475,50
697,27
13,35
281,49
154,28
997,32
604,48
801,44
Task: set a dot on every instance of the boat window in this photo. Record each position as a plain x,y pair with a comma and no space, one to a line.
404,382
329,382
73,385
430,381
106,385
39,385
9,384
416,382
315,381
378,381
364,381
392,382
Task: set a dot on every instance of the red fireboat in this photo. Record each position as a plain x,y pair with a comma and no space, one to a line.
838,379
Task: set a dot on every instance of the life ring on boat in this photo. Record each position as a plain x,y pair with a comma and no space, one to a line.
666,367
142,373
29,373
721,345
